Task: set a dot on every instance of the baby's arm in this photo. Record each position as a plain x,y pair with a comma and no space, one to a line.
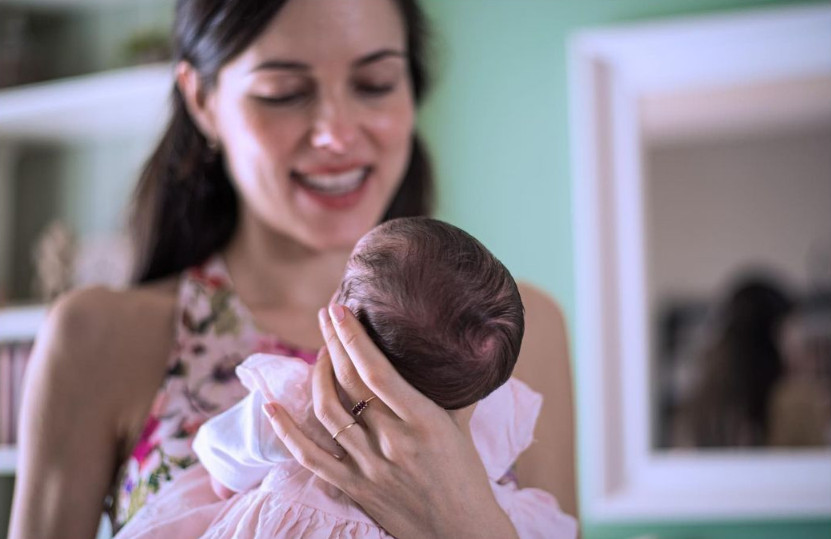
238,447
221,490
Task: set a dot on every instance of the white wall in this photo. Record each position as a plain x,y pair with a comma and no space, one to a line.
717,206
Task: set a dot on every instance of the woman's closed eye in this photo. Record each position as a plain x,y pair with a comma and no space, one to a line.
293,98
379,80
283,90
301,97
374,89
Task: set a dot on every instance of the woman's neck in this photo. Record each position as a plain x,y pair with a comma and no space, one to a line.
273,272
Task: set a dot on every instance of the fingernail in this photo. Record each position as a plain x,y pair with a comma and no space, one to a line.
269,409
337,312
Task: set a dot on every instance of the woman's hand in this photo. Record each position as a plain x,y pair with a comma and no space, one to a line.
412,467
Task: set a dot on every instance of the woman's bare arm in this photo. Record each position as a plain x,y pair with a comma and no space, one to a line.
95,361
545,365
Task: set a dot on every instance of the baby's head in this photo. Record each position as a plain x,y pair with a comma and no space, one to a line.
439,305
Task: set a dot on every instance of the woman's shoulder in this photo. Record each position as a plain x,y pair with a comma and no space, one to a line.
106,328
545,365
94,313
542,310
545,346
100,357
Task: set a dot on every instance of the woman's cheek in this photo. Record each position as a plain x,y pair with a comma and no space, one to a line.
395,128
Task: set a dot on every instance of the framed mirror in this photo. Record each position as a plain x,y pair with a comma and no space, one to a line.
702,189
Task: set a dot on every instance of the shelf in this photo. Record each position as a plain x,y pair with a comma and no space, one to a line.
119,103
8,459
21,323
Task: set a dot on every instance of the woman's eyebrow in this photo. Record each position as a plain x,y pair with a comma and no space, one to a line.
292,65
281,64
378,55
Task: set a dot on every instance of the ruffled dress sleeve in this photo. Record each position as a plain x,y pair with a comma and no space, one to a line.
503,427
239,447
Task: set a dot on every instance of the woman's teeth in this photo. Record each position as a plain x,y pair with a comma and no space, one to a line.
334,184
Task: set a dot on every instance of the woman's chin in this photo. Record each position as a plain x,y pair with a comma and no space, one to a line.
338,239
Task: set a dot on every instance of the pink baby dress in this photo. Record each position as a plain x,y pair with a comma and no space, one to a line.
279,498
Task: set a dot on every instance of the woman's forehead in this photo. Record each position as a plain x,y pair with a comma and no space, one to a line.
318,31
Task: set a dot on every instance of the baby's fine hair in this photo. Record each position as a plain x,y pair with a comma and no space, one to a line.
439,305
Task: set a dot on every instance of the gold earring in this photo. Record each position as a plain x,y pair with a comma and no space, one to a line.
213,149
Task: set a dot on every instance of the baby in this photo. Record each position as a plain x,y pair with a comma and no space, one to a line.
448,316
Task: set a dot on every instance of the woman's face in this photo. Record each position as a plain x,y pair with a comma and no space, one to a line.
315,119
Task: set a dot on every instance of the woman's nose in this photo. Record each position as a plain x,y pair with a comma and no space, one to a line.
334,128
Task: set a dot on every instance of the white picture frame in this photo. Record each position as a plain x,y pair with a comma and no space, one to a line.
613,72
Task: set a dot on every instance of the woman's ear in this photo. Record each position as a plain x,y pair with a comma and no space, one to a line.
197,100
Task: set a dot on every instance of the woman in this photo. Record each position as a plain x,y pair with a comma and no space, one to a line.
292,135
730,404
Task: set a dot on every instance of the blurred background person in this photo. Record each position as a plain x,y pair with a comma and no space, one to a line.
728,405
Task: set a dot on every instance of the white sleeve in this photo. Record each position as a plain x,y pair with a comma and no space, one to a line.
238,447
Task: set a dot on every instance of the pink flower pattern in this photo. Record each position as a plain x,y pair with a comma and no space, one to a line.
215,332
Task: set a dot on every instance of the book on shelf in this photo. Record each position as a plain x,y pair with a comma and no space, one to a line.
14,357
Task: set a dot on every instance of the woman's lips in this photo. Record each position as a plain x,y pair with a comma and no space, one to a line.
338,189
334,183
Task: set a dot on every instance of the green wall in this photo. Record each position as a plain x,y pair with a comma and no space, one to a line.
497,123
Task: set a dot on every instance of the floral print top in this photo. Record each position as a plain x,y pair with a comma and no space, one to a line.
214,333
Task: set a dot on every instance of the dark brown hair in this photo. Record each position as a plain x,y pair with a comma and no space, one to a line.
730,404
440,306
185,207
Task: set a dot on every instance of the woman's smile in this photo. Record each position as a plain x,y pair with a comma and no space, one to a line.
340,188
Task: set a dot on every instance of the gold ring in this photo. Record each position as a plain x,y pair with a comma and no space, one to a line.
335,435
361,406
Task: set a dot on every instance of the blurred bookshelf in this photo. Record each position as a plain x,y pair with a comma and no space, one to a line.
127,104
18,328
84,89
70,151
